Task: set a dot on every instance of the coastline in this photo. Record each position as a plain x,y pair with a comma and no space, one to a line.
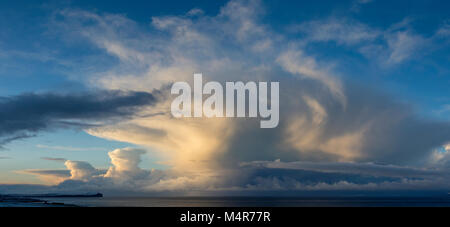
16,201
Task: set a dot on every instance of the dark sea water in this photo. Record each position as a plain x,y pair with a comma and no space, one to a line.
255,202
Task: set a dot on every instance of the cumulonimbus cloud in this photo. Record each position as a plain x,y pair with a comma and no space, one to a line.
323,117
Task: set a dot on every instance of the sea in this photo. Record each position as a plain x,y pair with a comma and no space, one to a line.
254,202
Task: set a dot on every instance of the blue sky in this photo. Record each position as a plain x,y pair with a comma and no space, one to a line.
380,57
25,30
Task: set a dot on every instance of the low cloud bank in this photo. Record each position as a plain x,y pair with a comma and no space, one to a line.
252,178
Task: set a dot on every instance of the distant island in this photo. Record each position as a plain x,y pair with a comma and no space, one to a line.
52,195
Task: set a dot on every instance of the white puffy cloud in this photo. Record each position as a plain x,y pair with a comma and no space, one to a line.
440,157
80,170
125,163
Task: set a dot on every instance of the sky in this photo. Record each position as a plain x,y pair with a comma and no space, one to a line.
364,99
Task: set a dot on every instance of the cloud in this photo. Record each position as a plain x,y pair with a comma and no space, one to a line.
330,118
402,45
24,115
441,157
296,63
369,169
51,177
195,12
67,148
125,163
123,175
325,118
81,170
357,4
387,47
444,31
54,159
255,178
342,31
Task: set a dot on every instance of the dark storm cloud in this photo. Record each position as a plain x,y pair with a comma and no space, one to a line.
367,169
24,115
394,133
266,176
